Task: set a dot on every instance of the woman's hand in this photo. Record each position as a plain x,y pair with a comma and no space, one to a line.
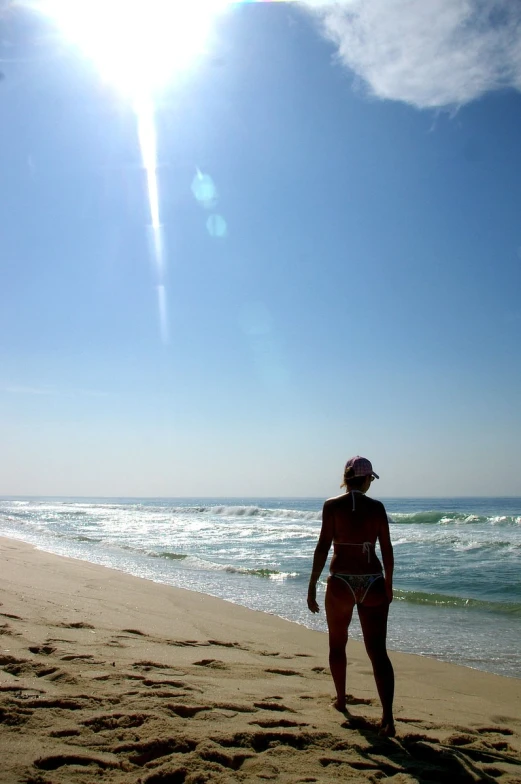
312,599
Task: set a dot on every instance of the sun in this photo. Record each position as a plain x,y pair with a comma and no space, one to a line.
137,46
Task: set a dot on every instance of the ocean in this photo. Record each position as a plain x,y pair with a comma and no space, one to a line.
457,573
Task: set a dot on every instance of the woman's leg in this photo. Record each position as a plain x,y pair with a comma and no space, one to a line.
373,620
339,611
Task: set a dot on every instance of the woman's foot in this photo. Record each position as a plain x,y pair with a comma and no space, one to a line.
340,706
387,728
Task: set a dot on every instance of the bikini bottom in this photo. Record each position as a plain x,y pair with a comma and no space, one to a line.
358,584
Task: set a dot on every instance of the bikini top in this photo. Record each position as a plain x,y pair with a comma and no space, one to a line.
352,493
366,546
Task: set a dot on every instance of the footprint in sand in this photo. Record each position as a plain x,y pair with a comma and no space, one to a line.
151,665
461,740
111,721
142,752
222,644
271,723
273,706
187,643
58,639
15,716
351,700
232,706
79,657
24,667
214,664
66,703
261,741
43,650
407,720
76,625
115,643
21,692
188,711
212,751
56,761
499,745
152,682
64,733
494,730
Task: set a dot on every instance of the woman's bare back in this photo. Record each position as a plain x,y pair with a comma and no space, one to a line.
356,522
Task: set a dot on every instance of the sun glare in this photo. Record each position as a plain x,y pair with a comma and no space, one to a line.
139,47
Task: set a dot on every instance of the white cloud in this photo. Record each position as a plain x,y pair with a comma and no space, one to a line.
428,53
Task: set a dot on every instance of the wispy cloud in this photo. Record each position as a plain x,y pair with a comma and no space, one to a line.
15,389
428,53
21,390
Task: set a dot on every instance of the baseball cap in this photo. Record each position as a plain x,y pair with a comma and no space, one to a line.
359,466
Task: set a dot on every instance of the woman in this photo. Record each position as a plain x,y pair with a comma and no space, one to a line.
353,523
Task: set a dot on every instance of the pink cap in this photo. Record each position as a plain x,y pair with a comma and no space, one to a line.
359,466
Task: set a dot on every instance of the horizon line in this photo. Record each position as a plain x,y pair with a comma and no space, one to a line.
241,497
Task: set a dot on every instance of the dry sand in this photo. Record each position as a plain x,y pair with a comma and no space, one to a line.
110,678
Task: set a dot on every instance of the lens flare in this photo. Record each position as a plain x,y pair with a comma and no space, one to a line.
147,135
139,48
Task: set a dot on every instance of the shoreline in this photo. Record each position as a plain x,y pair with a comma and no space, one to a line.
101,672
398,607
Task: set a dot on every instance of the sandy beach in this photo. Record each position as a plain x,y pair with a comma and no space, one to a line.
106,677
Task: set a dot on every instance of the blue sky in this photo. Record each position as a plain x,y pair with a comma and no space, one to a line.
364,298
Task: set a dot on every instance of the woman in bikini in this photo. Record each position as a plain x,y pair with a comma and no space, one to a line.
354,523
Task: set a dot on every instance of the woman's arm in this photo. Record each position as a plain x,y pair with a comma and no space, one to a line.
386,548
320,556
